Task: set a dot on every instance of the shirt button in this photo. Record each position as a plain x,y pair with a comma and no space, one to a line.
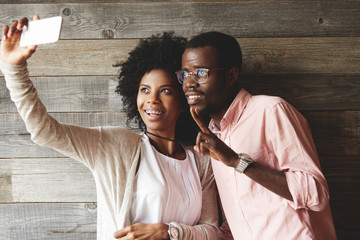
246,230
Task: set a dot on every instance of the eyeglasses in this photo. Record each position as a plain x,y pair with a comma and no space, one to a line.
200,75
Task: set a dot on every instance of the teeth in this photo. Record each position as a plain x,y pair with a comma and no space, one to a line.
194,96
153,112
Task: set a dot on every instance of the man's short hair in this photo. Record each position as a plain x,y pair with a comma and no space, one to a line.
228,49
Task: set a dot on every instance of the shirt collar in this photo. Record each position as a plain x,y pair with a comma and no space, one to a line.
233,113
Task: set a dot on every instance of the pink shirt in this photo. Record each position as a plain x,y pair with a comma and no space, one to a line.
274,134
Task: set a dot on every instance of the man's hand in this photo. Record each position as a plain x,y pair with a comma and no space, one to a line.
10,50
141,231
208,143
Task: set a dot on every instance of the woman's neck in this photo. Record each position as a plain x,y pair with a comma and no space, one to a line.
160,136
166,144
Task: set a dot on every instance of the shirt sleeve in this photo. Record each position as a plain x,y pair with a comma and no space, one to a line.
75,142
207,227
296,154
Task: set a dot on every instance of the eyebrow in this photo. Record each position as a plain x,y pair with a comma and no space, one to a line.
196,67
161,86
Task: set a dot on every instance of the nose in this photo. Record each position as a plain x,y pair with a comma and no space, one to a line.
153,97
190,82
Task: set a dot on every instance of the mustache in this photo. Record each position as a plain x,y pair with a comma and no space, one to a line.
192,90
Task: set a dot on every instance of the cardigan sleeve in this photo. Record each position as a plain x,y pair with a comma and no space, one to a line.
207,227
73,141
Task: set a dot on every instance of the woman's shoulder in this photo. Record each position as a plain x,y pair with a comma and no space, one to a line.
113,133
202,162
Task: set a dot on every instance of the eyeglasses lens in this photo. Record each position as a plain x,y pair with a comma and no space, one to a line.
200,75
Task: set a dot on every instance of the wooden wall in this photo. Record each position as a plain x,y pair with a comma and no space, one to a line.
305,51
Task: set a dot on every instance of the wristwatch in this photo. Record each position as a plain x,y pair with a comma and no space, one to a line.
173,232
245,162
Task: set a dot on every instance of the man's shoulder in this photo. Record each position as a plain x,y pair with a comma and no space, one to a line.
265,101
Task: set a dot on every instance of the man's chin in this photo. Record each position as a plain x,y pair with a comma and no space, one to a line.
196,105
202,109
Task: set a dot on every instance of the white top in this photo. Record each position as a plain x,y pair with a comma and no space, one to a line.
167,189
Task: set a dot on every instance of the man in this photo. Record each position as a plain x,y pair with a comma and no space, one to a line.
264,160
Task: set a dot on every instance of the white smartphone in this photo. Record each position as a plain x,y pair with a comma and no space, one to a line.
41,31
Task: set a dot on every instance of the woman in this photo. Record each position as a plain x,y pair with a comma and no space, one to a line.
139,178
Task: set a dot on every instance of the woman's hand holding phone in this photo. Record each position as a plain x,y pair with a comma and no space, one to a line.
10,50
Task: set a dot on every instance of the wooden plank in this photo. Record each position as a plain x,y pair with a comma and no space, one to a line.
45,180
48,221
236,1
85,57
83,1
342,175
97,93
279,19
71,94
244,19
11,124
346,219
117,20
261,56
301,55
20,146
66,180
309,92
335,134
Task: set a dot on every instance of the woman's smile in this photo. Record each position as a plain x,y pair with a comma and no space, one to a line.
154,114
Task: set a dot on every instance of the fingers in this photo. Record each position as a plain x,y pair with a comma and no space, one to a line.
16,26
23,22
12,29
202,144
198,119
32,48
121,233
36,17
202,140
5,32
126,233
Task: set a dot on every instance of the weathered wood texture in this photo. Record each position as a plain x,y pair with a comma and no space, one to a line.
279,19
97,93
70,94
109,20
249,19
307,52
45,180
261,56
90,1
335,133
48,221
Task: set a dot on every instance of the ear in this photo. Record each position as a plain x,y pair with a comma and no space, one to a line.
232,76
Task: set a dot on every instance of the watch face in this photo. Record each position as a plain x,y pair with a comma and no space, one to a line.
174,233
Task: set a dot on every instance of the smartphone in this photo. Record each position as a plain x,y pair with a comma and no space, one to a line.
41,31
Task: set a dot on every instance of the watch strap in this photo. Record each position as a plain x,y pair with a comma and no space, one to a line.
243,164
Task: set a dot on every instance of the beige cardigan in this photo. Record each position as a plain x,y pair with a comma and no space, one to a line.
111,153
